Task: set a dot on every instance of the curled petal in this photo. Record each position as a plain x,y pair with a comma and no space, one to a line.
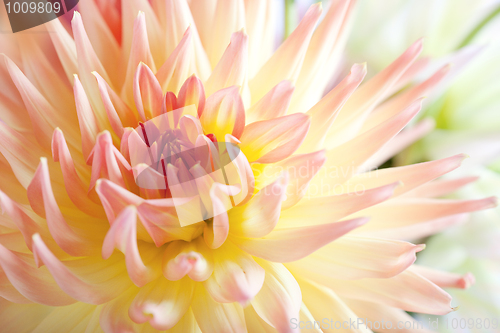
123,235
192,92
236,277
115,198
290,244
147,93
224,113
280,298
261,214
193,259
163,303
108,162
273,140
215,233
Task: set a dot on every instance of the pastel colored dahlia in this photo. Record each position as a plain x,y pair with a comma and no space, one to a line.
171,170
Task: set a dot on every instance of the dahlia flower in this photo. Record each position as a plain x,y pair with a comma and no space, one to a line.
165,168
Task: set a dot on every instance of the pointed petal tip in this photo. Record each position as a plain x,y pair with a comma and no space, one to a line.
420,247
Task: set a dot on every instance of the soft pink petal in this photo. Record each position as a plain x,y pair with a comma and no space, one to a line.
445,279
147,93
86,118
73,241
123,235
273,105
174,71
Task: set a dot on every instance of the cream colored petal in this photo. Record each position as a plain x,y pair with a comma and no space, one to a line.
214,317
280,298
290,244
408,211
286,62
325,209
231,70
162,303
324,113
273,140
229,17
412,176
355,257
349,156
424,296
86,118
273,105
323,57
175,70
371,312
440,187
261,214
323,302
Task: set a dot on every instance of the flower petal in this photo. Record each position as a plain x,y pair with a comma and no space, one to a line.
280,298
175,70
273,140
286,62
147,93
123,235
86,118
162,303
236,277
231,69
74,241
290,244
273,105
224,114
353,257
72,285
261,214
35,284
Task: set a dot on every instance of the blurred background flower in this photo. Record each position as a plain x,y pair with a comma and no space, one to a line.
467,119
